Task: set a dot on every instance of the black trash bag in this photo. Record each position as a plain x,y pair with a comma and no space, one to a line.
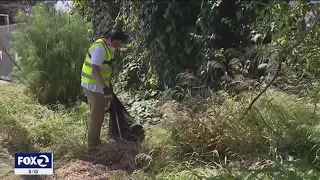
130,130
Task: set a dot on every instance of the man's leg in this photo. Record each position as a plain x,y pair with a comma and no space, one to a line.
97,105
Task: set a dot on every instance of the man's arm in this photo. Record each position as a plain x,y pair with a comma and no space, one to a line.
96,74
97,57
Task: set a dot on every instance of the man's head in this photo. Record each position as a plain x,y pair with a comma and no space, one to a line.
116,39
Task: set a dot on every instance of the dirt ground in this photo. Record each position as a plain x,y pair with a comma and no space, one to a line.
6,164
87,170
112,161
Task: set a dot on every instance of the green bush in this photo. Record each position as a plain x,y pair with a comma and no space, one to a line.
52,47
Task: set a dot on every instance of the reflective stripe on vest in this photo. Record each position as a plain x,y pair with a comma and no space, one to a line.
105,70
91,77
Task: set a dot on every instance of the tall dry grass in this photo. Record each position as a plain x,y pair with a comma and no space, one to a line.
198,138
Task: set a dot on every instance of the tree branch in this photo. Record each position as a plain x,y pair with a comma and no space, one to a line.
14,62
280,61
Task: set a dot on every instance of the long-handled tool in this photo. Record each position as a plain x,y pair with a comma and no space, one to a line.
118,125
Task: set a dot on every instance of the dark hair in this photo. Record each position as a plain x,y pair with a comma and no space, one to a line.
119,35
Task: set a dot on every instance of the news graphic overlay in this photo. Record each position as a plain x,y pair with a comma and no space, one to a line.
33,163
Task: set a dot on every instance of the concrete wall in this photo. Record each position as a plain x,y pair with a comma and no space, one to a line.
6,63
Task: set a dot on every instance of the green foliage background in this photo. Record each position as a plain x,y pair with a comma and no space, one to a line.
183,47
195,44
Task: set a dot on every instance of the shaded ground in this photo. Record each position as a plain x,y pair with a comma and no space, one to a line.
6,165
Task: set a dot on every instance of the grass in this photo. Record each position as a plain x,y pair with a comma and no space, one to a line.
60,130
198,139
278,121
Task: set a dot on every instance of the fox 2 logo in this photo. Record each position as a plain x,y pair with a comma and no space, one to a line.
33,160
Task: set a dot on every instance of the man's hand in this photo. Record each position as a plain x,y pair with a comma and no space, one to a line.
107,92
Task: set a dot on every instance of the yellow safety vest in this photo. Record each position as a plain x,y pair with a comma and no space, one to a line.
105,69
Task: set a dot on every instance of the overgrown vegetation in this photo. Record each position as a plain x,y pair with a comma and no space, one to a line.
51,47
189,74
276,140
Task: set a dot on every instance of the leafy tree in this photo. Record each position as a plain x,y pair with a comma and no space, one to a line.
101,13
181,36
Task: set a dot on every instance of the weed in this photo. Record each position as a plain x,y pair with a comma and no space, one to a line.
278,138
